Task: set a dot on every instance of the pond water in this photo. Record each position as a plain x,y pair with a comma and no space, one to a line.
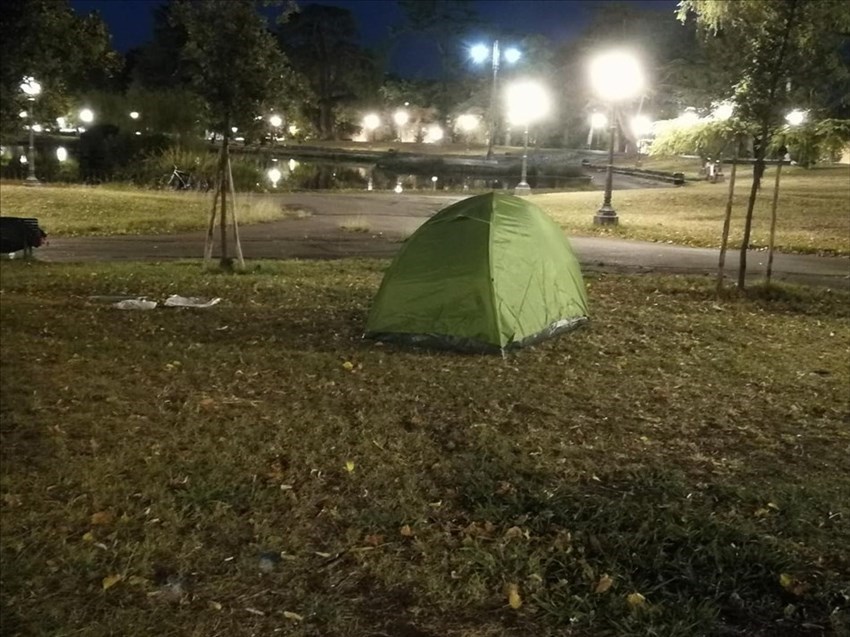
310,174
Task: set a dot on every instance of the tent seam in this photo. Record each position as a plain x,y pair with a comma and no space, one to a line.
491,272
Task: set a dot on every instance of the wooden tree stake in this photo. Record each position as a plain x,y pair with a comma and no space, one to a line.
773,223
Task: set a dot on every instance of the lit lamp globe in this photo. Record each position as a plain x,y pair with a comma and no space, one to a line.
86,116
796,117
467,122
401,117
30,87
276,121
598,120
134,114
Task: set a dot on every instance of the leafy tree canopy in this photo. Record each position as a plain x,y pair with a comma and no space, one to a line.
47,40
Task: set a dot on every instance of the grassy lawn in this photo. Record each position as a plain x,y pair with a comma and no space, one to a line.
680,467
94,211
813,215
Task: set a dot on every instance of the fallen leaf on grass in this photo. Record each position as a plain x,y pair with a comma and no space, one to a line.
111,580
294,616
102,518
349,466
636,600
605,582
373,539
348,366
406,531
514,533
215,605
792,585
88,537
514,598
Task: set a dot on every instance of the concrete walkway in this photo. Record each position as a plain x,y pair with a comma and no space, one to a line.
377,223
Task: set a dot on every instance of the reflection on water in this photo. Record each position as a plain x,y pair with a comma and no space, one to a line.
296,174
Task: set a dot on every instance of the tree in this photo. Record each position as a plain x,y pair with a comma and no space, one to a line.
237,69
322,43
785,50
66,53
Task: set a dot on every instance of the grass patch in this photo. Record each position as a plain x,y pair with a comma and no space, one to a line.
101,211
257,466
813,212
356,224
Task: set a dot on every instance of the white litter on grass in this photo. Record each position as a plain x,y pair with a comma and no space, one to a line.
176,300
135,304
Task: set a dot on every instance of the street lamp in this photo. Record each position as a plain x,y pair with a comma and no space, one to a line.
32,89
527,102
370,123
134,114
616,76
400,117
597,120
479,54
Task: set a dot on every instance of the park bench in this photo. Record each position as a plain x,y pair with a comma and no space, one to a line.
20,233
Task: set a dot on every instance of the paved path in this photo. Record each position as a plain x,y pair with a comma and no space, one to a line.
387,218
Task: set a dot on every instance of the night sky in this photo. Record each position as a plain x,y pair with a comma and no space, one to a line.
131,21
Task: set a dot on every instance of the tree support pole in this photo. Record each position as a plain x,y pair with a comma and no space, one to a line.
773,222
727,220
235,220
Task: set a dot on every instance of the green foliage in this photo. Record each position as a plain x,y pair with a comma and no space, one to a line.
707,138
65,53
235,64
200,163
322,42
813,142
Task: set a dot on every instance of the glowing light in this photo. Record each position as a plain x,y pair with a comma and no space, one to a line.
274,176
36,128
134,114
434,179
433,134
641,125
398,189
723,111
293,164
233,129
527,102
616,75
86,115
688,118
598,120
23,114
468,122
61,153
276,121
479,53
371,121
512,55
23,159
293,129
61,122
401,117
796,117
30,87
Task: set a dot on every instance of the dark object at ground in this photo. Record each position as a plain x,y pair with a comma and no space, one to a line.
19,233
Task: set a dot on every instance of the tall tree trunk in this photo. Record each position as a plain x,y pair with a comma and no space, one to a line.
758,171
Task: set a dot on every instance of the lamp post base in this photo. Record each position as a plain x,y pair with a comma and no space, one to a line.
606,216
522,188
32,180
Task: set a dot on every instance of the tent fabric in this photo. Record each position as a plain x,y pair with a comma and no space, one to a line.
489,273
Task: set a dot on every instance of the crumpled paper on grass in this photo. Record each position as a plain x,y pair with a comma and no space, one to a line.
175,300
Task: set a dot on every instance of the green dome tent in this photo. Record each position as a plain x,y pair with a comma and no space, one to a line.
489,273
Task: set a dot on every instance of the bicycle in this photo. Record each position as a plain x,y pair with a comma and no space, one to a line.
177,180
